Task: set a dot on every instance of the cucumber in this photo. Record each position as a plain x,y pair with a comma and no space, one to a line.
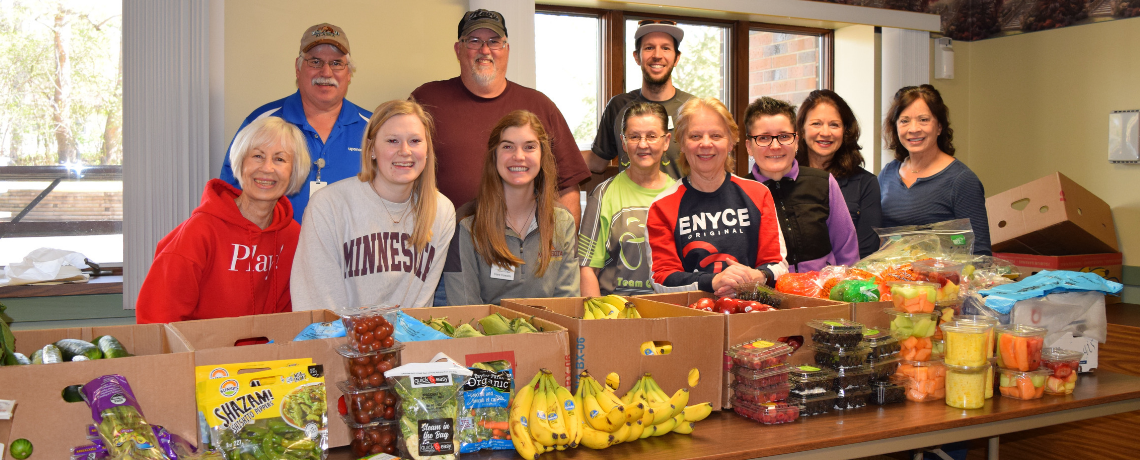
20,358
38,357
52,354
71,393
74,347
111,347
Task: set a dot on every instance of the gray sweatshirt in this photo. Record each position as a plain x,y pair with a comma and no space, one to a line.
351,254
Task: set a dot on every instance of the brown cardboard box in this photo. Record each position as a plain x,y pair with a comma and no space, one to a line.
161,374
1109,266
790,320
614,345
873,314
527,353
1050,216
212,341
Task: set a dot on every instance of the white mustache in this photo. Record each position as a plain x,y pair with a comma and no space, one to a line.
325,81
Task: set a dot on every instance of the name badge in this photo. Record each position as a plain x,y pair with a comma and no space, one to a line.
316,185
501,273
670,123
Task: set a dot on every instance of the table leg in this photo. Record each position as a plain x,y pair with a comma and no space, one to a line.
993,449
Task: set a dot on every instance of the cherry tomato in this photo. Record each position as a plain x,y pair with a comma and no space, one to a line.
390,413
387,342
375,380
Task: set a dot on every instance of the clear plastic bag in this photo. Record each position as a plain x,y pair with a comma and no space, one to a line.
430,404
955,237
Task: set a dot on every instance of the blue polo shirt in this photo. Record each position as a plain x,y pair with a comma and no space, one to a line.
341,152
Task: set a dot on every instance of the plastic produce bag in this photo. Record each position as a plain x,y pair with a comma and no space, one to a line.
1002,298
984,272
974,304
119,420
1081,313
955,237
486,398
321,331
805,284
855,291
409,329
430,404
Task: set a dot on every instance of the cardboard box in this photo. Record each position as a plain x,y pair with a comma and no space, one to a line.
212,341
1051,216
1109,266
790,320
528,353
872,314
161,374
614,345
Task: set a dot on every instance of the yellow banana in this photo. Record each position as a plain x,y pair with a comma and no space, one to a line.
540,428
595,439
697,412
648,431
592,412
613,381
633,313
587,313
661,412
684,428
679,400
569,409
555,415
668,426
614,305
635,430
520,434
635,411
622,433
629,397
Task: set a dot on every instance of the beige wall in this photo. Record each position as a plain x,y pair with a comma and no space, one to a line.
396,45
1031,104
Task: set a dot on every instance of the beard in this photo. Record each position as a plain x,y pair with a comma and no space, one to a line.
648,81
484,76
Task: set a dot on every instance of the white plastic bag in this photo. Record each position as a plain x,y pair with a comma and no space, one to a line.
45,264
1081,313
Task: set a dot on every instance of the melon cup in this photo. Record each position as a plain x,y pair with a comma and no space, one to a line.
1019,347
1023,385
914,296
1063,365
966,343
988,320
923,380
966,386
915,332
946,274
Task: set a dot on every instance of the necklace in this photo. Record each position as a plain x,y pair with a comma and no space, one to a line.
384,203
526,224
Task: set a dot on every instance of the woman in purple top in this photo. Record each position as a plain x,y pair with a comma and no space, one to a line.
814,221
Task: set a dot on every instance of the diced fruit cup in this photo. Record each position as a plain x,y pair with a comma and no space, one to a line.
370,328
883,345
760,354
947,274
838,332
373,438
966,386
1019,347
369,405
990,378
853,377
966,343
915,332
883,393
814,404
923,380
1064,365
366,370
1023,385
914,296
852,398
840,357
769,413
761,395
761,378
811,380
986,320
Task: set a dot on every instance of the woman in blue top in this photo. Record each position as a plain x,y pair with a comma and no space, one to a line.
925,184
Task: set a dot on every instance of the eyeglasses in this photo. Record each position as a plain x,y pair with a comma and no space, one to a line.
764,140
922,121
473,43
336,65
650,140
646,22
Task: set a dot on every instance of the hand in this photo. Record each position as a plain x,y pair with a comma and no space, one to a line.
732,276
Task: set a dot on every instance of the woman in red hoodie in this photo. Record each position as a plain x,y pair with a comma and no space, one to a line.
233,256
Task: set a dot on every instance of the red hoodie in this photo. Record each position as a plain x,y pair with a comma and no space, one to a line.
218,264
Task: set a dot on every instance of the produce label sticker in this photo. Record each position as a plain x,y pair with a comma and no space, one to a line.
809,368
435,437
431,380
761,344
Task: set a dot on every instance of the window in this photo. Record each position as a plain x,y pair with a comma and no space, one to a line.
701,71
60,128
783,65
571,80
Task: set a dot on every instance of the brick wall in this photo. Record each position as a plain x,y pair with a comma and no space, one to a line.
63,205
783,66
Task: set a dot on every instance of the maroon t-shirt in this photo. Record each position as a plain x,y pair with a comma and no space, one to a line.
463,123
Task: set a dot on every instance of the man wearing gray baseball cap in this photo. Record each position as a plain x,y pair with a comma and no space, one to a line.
332,125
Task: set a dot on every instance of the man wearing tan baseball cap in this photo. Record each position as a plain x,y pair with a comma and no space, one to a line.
332,125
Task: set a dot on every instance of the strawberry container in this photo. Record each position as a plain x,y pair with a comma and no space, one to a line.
769,413
761,395
370,328
760,354
370,404
1062,365
366,369
761,378
838,332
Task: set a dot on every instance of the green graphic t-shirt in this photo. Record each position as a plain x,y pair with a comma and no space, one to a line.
613,239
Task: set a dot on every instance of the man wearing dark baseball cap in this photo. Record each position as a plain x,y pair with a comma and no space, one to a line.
656,50
332,125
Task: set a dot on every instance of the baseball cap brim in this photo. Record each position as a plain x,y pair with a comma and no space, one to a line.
673,31
334,43
488,24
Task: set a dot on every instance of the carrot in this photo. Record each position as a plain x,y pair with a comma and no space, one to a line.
1025,388
1021,350
493,425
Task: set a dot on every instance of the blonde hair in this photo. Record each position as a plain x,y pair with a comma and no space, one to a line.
268,130
684,117
423,190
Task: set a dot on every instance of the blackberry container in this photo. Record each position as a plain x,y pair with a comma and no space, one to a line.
852,398
881,371
839,332
883,393
853,377
883,345
810,380
814,404
840,357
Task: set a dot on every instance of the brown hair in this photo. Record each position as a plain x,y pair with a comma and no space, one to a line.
423,190
903,99
681,128
848,158
646,108
490,206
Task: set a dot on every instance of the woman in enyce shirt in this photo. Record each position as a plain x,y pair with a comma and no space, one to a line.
380,237
713,230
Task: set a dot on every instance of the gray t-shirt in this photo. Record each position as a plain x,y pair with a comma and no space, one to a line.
608,142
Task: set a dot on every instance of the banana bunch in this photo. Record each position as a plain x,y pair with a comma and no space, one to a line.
612,306
544,417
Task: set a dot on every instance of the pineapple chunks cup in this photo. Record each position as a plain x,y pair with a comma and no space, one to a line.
915,332
966,343
966,386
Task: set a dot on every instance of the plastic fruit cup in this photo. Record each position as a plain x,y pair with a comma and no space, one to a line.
923,380
1019,347
915,332
768,413
1064,365
370,328
990,378
982,319
373,438
966,343
914,296
1023,385
761,378
760,395
947,274
366,370
966,386
368,405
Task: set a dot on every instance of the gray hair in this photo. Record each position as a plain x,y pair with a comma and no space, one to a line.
267,130
347,58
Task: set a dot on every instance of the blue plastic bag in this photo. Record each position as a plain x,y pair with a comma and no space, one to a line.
409,329
321,331
1001,298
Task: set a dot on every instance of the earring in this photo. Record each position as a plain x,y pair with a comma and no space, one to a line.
373,157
